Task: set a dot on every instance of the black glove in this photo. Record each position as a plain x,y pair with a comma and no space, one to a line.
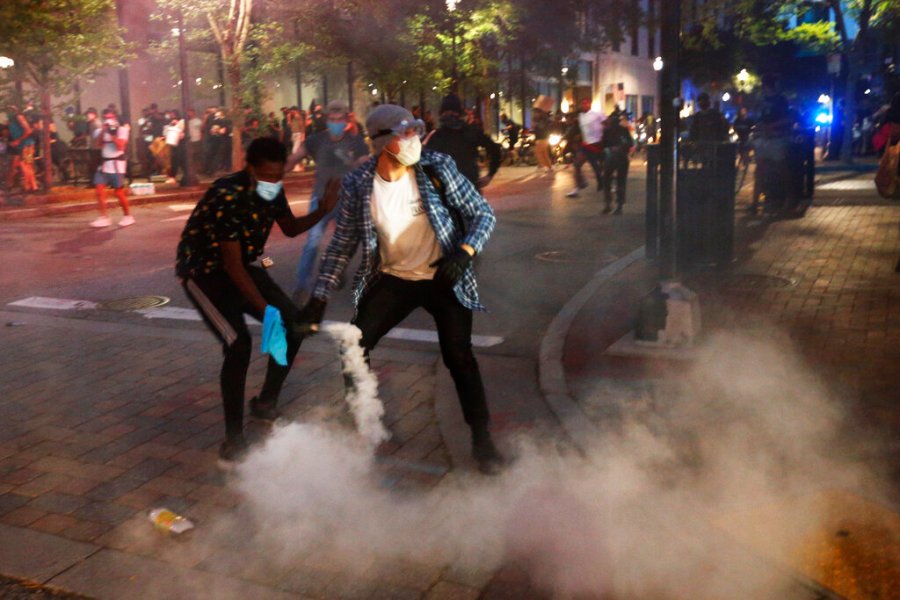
309,318
451,268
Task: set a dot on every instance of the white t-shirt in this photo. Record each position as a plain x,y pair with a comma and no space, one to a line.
109,150
406,240
174,133
195,129
591,124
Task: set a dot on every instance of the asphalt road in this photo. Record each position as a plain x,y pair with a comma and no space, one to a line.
544,248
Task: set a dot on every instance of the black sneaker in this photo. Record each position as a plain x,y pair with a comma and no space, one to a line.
231,452
485,453
618,211
264,411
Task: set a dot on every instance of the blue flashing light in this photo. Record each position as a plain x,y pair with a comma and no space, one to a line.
823,118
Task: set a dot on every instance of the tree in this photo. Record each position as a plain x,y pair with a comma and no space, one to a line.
56,42
767,22
250,46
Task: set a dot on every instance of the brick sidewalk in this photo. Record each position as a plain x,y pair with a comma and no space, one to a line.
93,442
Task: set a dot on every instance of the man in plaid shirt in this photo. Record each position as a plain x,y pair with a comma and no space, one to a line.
419,222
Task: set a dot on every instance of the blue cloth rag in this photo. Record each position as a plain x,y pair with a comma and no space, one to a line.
274,338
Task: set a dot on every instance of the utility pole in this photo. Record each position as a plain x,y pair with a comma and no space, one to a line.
670,315
187,177
669,109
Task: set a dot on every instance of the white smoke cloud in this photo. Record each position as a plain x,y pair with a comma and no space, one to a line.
362,396
662,507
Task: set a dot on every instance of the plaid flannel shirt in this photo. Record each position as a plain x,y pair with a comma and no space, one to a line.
355,226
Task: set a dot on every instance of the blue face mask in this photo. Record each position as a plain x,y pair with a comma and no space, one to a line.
336,129
267,190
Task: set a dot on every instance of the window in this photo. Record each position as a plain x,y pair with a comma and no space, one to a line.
647,105
631,105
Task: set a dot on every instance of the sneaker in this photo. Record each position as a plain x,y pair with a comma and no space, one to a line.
264,411
126,221
607,209
231,452
101,222
618,210
485,453
171,180
572,194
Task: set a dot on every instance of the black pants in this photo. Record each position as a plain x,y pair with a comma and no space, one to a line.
223,308
615,164
391,299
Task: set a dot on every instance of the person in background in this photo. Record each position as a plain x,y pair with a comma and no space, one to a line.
617,145
225,234
399,208
540,126
21,150
337,150
743,126
463,142
195,140
297,123
512,131
590,147
113,139
707,124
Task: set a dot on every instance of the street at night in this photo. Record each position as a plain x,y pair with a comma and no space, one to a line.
450,300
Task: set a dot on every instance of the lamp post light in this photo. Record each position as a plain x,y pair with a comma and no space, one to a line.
658,64
743,76
451,8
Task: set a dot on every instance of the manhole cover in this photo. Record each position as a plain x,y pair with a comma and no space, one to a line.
754,281
135,303
561,256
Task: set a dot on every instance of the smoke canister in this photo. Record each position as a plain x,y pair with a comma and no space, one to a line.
166,520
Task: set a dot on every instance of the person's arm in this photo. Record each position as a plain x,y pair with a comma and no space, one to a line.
462,196
234,267
295,158
293,226
347,233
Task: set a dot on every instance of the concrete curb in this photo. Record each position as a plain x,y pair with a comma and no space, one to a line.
551,372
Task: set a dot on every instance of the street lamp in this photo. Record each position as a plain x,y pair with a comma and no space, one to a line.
451,8
743,76
658,64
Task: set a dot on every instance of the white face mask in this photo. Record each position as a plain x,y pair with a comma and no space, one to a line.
267,190
410,151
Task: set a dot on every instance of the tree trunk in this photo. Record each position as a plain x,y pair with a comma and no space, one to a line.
848,114
237,114
47,114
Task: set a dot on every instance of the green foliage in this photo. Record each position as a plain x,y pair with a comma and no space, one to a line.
257,51
56,42
820,37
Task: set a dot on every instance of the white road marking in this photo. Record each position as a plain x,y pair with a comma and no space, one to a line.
189,314
177,207
54,303
851,184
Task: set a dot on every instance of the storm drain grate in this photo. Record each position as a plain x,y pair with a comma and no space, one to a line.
134,303
755,281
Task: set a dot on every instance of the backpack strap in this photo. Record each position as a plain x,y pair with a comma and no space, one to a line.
432,174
